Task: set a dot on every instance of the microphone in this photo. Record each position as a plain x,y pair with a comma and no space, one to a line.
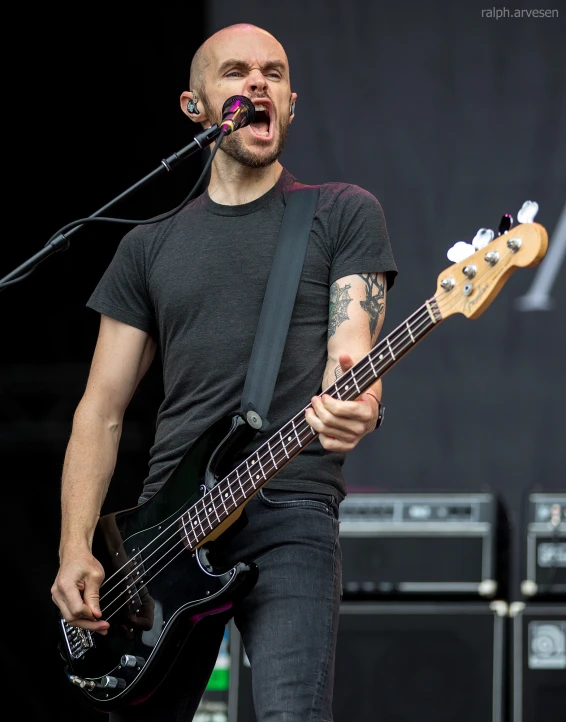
237,112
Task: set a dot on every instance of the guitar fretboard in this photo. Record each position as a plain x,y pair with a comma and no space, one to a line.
255,471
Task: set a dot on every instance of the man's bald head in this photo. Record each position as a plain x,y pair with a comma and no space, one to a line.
243,60
204,55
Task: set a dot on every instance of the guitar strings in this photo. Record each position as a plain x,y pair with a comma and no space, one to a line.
303,426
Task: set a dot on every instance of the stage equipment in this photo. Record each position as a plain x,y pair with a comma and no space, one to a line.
543,546
538,661
406,662
413,544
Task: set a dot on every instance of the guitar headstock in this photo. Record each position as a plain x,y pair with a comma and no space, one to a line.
483,267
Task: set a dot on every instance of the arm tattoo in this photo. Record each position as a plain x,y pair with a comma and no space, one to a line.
374,305
339,300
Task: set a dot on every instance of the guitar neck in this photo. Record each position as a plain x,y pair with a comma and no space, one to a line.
258,468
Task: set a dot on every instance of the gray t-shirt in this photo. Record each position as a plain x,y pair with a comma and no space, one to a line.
196,282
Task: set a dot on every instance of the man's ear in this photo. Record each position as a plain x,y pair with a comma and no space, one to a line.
192,107
292,106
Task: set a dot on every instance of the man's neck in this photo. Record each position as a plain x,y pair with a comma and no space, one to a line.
232,184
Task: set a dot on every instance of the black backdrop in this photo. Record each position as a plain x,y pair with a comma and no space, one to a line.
93,107
450,119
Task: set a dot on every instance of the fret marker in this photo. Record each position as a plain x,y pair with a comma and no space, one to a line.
346,387
257,476
289,438
380,356
226,495
209,508
194,523
253,462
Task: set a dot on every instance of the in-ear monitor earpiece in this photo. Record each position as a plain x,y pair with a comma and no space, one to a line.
192,105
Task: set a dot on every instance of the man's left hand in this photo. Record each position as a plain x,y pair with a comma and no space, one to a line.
341,424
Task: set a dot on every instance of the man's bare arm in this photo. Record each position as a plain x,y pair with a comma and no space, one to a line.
121,358
356,314
355,319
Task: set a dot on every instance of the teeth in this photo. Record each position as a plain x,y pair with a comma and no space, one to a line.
261,107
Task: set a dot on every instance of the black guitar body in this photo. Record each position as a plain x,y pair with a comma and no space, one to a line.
157,587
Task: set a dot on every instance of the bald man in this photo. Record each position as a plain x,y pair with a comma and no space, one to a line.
193,286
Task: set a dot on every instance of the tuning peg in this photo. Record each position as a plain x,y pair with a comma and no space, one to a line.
505,224
459,251
528,211
482,238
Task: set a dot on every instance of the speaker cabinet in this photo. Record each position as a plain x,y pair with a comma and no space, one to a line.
425,546
538,661
406,662
543,558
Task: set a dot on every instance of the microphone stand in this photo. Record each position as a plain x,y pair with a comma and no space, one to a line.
61,241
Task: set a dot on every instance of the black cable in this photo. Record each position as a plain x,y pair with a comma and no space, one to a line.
130,221
18,279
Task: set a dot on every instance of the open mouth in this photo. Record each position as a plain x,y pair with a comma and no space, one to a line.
262,126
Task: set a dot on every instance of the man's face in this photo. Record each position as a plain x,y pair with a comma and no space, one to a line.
253,64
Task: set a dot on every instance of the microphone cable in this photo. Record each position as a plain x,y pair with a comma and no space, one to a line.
130,221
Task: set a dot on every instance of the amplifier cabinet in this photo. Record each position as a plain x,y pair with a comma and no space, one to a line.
544,546
538,661
426,544
406,662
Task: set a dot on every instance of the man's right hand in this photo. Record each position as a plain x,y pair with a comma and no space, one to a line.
76,591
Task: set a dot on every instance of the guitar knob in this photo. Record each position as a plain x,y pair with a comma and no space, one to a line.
528,211
109,682
128,660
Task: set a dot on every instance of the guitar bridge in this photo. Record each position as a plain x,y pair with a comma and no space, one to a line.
78,641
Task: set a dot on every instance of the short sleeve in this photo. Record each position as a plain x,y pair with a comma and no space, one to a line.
122,292
360,237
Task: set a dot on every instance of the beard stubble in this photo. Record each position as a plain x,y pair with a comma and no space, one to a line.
233,145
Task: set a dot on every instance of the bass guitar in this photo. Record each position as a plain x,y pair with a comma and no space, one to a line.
159,583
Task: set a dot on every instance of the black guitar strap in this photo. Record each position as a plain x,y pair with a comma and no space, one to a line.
278,303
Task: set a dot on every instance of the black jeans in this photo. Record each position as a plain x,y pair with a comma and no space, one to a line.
288,622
